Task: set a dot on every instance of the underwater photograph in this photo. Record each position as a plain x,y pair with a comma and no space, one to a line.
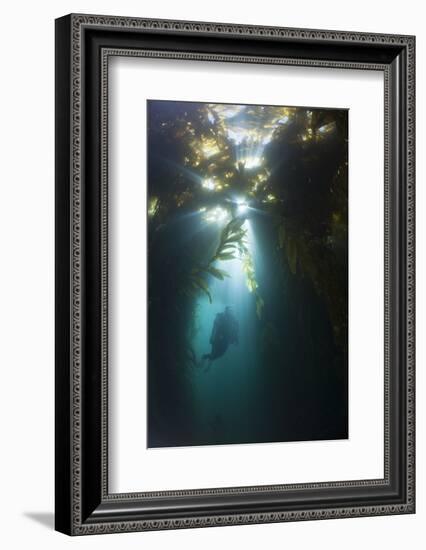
247,213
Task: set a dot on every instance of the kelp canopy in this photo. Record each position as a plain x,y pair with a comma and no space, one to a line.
212,167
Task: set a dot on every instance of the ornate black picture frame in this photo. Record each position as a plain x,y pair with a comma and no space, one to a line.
84,44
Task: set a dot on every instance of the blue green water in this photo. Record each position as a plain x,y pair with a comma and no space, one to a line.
226,392
259,192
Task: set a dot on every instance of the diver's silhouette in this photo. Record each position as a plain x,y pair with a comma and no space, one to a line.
224,333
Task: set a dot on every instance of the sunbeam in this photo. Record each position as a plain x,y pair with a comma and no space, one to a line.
247,245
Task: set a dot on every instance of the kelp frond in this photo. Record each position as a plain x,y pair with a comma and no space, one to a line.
232,246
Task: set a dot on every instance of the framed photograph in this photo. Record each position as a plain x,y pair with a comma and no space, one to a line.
234,274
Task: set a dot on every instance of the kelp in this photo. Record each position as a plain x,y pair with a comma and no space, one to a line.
296,197
300,183
232,245
312,226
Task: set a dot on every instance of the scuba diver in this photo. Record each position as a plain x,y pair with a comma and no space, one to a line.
224,333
